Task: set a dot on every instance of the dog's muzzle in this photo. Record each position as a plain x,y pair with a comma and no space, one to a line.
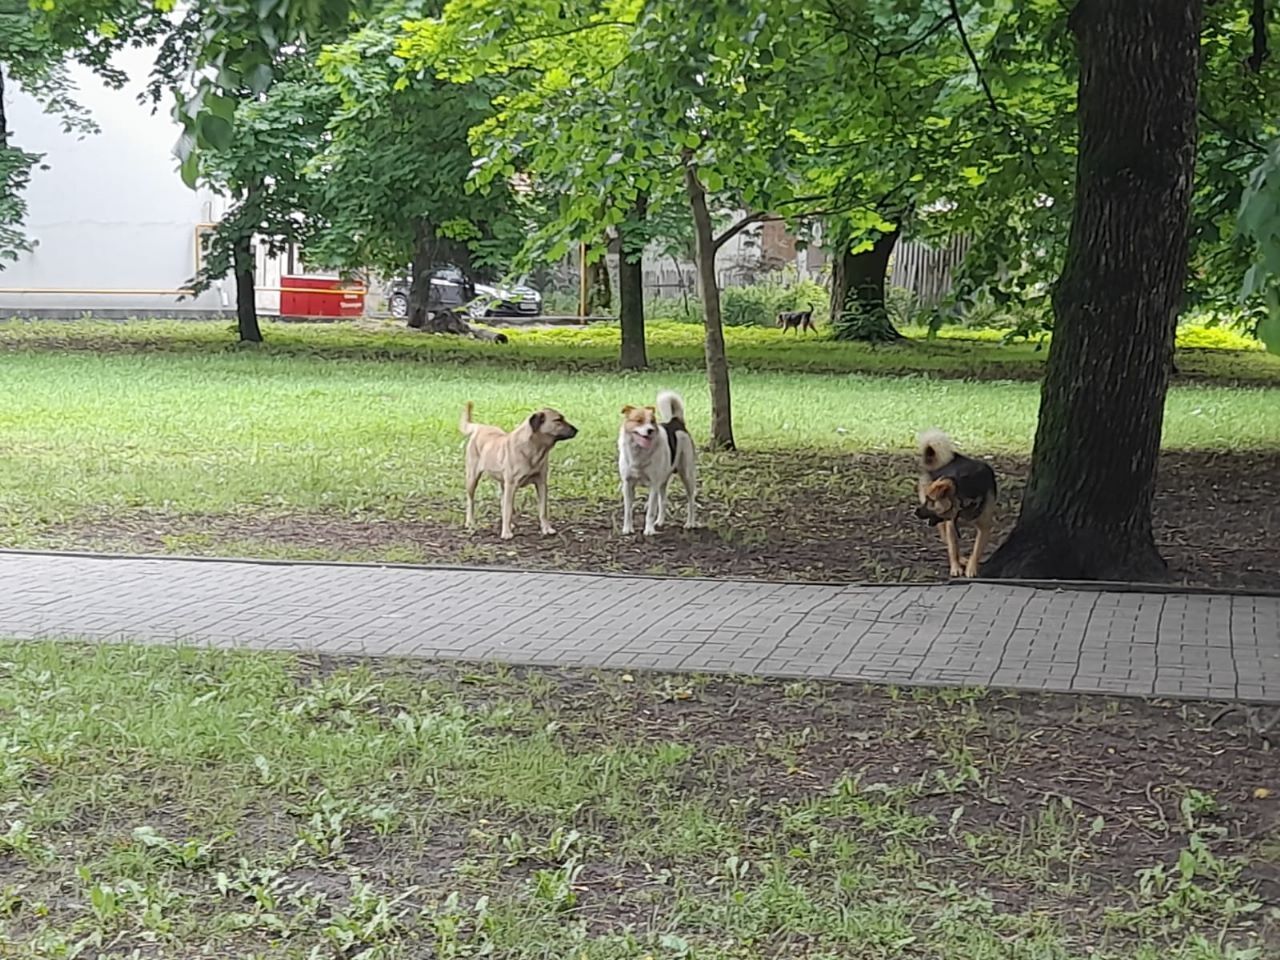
922,513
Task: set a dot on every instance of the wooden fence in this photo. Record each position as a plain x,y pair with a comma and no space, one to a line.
926,270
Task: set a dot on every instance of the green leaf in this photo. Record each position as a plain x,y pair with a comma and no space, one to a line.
215,132
260,78
1269,327
190,169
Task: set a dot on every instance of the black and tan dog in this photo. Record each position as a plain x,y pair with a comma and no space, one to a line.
797,320
955,489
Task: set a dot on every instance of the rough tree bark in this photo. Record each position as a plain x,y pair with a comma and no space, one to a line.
631,288
246,291
4,120
425,310
1086,512
599,289
858,308
717,362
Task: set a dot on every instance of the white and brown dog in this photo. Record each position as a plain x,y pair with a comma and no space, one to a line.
516,459
649,452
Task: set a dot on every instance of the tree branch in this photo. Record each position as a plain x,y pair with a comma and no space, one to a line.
747,221
986,89
570,31
1243,140
1258,24
913,44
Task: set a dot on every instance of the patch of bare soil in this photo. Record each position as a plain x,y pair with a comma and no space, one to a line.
1050,802
787,515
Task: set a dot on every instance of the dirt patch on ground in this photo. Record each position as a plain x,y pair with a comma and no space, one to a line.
767,515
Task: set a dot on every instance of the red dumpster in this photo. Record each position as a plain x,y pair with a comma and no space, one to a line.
320,297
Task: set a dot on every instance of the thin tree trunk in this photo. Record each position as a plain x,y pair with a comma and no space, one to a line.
1086,512
858,308
631,288
4,120
717,362
246,293
420,305
426,311
599,289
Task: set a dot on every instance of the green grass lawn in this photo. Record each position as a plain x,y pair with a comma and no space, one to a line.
196,427
174,803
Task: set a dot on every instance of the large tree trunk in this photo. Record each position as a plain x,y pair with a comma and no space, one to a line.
858,308
246,294
631,288
717,362
426,311
420,294
1086,512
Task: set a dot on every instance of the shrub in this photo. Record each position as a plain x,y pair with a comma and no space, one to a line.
759,304
677,309
1215,338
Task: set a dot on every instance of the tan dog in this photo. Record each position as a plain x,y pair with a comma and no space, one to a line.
514,459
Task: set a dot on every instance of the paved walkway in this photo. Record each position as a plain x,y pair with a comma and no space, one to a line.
987,634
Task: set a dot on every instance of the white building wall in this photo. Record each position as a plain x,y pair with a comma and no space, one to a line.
115,226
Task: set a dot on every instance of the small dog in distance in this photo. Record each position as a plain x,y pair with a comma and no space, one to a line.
797,320
954,490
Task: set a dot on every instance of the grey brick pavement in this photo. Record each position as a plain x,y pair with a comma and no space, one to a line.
987,634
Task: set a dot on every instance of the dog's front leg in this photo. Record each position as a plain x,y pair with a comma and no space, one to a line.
508,506
950,538
628,504
662,505
979,544
652,505
544,517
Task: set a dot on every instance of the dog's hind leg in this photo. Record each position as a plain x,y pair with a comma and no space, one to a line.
473,480
628,505
980,539
975,557
508,506
544,516
689,477
952,540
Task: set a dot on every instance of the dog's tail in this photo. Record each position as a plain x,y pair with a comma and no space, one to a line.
936,449
670,405
465,424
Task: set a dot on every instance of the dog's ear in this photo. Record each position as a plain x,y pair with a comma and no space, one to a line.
536,421
652,409
940,488
626,411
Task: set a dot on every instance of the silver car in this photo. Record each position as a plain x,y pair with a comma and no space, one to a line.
449,289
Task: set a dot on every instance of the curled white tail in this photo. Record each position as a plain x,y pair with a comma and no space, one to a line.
465,423
670,405
936,449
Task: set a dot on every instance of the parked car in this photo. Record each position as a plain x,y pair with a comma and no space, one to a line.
450,288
